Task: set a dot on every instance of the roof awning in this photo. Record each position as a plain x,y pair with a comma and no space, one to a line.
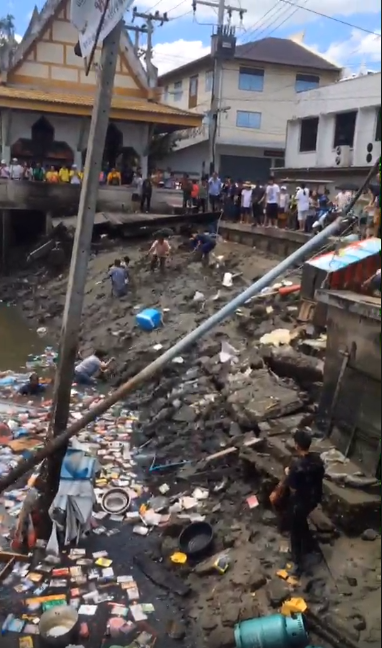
141,110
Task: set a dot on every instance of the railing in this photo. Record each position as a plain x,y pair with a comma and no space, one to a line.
63,199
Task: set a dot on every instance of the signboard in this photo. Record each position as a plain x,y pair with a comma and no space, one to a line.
86,16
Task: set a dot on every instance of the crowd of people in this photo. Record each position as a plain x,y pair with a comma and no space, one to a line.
54,174
267,205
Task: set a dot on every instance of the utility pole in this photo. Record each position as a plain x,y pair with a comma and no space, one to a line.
81,249
150,19
137,31
219,55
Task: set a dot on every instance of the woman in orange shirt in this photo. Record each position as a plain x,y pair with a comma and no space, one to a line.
195,194
52,175
114,178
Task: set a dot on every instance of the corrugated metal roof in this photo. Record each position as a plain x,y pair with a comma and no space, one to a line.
72,99
334,261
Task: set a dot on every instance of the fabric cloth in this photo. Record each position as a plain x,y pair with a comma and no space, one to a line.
215,187
272,194
88,367
16,172
64,175
38,174
284,201
32,389
160,249
305,481
119,277
303,201
246,198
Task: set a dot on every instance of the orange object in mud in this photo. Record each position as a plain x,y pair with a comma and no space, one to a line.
32,538
289,290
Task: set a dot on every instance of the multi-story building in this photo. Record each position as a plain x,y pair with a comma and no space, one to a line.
335,132
258,94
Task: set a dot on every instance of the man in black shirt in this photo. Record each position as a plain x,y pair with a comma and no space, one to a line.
304,479
258,203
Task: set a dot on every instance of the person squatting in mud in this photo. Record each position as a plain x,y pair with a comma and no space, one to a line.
203,244
159,254
87,370
298,495
119,277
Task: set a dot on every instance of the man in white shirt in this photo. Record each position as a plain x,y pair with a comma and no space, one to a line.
16,171
343,199
303,205
272,201
246,203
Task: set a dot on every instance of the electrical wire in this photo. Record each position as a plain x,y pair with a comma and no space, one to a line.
253,27
288,15
333,18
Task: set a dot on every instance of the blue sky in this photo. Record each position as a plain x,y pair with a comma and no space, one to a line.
187,37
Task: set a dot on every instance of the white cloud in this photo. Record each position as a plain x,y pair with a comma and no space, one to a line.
168,56
256,18
354,51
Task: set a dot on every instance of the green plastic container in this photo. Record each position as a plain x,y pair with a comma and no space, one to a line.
276,631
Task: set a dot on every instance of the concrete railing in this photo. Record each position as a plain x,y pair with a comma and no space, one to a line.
58,199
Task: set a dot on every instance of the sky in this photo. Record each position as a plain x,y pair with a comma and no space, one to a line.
187,36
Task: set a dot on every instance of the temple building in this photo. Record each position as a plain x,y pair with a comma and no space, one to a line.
46,99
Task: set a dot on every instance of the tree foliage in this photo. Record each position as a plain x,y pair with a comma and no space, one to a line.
7,33
161,146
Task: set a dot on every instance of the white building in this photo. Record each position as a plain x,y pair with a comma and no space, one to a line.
336,130
259,90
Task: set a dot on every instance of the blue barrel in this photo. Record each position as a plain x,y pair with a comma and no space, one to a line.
276,631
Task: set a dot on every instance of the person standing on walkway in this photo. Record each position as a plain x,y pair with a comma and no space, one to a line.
258,203
272,201
304,481
147,194
303,206
215,188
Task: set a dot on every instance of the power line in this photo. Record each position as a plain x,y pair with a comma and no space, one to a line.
288,17
260,22
337,20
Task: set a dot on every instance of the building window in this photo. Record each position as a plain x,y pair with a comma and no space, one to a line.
345,129
178,91
251,80
193,92
308,135
306,82
209,81
378,129
165,94
248,119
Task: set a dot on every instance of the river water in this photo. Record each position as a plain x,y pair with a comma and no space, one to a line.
17,340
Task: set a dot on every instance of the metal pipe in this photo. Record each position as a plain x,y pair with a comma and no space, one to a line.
178,348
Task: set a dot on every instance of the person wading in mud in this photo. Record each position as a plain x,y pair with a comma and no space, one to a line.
159,253
302,492
119,279
203,244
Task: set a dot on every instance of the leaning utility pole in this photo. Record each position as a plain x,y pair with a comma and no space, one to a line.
81,249
223,47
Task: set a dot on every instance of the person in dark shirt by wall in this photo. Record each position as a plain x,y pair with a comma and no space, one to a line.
304,480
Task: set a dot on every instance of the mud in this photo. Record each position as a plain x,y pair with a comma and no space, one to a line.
202,407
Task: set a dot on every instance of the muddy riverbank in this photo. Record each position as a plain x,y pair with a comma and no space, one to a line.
202,406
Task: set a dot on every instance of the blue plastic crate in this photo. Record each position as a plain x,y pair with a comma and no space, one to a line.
149,319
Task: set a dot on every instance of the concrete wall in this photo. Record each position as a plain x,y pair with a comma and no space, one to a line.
353,324
64,199
275,103
362,94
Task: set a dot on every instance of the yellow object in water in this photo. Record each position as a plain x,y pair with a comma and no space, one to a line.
282,573
179,558
294,606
